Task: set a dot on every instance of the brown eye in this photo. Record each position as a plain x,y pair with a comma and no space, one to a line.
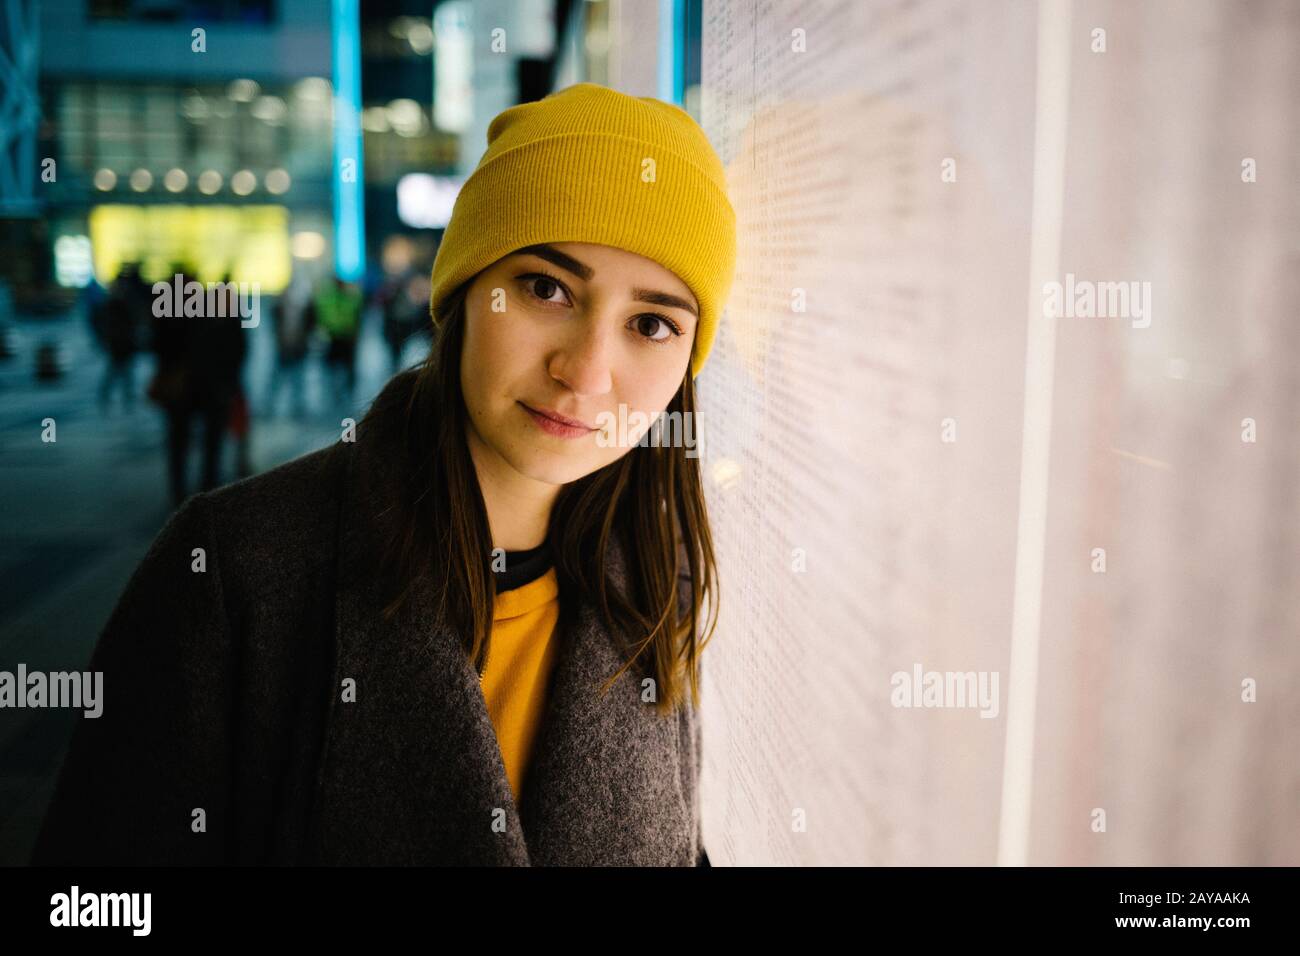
540,286
650,323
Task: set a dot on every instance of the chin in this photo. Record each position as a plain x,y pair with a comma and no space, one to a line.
553,469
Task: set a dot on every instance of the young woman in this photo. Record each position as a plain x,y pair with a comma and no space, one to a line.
469,632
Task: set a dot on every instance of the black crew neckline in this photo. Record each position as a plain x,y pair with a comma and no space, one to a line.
524,567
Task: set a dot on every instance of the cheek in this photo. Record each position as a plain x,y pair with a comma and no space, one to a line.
478,382
487,359
502,343
651,388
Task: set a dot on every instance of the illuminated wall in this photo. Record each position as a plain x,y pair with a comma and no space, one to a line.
249,242
912,469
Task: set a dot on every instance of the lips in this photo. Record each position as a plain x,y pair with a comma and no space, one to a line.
557,417
555,428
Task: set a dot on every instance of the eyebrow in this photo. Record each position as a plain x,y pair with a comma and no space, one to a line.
585,272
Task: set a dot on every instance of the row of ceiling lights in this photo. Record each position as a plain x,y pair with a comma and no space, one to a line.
209,181
312,91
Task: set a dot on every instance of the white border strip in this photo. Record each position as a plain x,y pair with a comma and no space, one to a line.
1051,112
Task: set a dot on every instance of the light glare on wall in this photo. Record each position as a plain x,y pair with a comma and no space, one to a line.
270,109
308,245
243,91
72,267
249,242
426,201
313,88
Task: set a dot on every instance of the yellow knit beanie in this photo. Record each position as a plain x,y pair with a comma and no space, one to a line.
590,164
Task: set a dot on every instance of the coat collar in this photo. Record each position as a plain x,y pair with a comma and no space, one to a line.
412,772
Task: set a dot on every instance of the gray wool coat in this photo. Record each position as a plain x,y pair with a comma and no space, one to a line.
223,692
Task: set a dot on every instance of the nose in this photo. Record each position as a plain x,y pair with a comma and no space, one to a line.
583,362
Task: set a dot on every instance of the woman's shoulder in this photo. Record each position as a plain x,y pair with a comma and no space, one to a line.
283,519
310,473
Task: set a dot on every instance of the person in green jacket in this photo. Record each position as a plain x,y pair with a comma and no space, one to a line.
338,314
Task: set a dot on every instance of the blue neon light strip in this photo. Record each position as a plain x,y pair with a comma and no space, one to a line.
349,197
672,53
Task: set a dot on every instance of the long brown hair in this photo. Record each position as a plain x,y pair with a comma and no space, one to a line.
652,498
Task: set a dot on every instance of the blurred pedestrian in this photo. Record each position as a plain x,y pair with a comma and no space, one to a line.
118,319
406,312
294,317
338,313
199,362
240,420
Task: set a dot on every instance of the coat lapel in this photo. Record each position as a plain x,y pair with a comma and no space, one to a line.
411,771
603,787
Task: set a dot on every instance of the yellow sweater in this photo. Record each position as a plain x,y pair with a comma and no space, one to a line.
521,657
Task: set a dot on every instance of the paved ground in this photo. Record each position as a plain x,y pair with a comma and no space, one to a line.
78,514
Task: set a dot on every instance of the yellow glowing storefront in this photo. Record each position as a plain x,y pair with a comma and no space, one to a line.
251,243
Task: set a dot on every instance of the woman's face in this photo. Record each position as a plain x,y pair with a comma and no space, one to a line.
578,330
